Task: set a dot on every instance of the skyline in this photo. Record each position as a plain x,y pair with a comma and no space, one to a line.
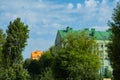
45,17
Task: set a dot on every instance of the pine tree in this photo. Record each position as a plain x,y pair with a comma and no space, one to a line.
2,41
2,38
114,45
17,35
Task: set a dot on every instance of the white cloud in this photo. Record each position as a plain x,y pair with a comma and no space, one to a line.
100,28
79,6
105,11
56,25
91,3
104,1
70,6
44,18
117,0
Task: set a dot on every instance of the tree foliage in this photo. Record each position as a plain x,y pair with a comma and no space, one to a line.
2,41
14,72
47,74
17,35
2,38
77,59
27,63
38,67
33,67
15,42
46,59
114,45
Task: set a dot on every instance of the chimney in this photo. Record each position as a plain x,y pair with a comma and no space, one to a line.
68,29
92,31
86,29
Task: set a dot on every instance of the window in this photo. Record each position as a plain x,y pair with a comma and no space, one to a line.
102,46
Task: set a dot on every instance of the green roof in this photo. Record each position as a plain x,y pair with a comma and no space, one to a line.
99,35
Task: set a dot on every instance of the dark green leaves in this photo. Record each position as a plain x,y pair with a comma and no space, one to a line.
114,45
77,58
17,35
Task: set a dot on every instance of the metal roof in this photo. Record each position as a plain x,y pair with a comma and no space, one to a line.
99,35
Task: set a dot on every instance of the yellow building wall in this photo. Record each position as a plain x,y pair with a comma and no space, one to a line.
36,55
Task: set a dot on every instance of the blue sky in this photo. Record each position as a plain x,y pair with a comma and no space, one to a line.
45,17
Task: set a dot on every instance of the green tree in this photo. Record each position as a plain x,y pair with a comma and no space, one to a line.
14,72
108,74
77,59
12,64
114,45
34,69
27,63
37,67
2,41
17,35
46,60
47,74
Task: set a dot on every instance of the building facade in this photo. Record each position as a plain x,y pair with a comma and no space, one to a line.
102,39
36,55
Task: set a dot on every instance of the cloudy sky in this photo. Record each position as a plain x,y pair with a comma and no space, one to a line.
45,17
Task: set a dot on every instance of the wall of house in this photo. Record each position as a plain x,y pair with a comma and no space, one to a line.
36,55
105,62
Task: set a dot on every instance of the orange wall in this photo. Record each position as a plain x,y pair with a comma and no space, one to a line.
36,55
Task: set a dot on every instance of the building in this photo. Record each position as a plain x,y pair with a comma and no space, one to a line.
102,39
36,55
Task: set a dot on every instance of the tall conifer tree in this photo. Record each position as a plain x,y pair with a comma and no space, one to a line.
17,35
114,46
2,41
